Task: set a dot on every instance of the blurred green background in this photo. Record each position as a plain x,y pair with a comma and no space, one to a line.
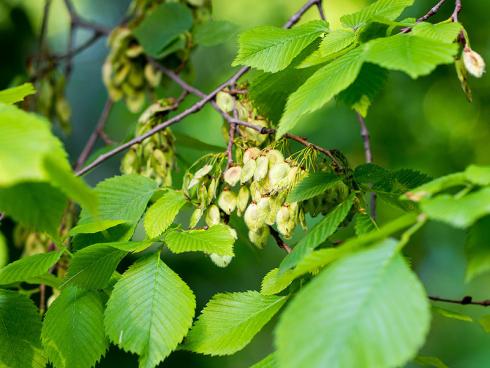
425,124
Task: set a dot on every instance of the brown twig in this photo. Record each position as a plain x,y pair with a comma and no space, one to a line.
277,238
78,21
231,138
368,156
467,300
365,138
457,9
97,132
433,11
319,5
75,51
194,108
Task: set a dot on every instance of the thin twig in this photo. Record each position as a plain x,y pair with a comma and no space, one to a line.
319,5
44,28
457,9
369,158
99,128
280,243
69,50
231,138
467,300
78,21
191,110
433,11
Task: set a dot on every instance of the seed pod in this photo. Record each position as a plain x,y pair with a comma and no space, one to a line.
227,201
232,175
278,173
473,62
152,75
259,237
220,261
283,221
255,192
225,101
274,156
213,186
233,232
253,217
274,205
202,195
251,154
248,171
203,171
261,169
213,216
242,200
195,217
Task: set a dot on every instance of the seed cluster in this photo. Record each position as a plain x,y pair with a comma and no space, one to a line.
127,72
155,156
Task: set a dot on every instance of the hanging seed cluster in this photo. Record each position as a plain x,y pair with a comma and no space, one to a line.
256,189
155,156
51,101
127,73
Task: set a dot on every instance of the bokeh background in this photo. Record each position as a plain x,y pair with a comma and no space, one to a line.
426,124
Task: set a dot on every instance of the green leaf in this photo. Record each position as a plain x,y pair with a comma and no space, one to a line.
276,281
364,224
230,321
177,19
47,279
350,315
320,88
16,94
360,94
214,32
312,185
150,311
162,213
479,175
20,330
121,198
458,212
318,234
428,361
73,186
95,227
485,322
371,174
25,142
270,91
414,55
388,9
73,329
35,205
444,32
452,315
437,185
4,251
269,361
28,267
336,41
93,266
272,49
217,239
477,249
184,140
